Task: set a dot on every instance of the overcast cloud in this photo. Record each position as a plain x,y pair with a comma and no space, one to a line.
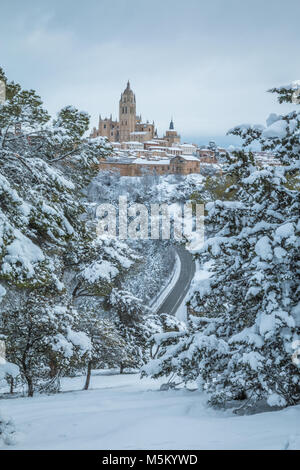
206,63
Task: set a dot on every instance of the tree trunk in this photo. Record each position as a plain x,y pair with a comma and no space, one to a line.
30,387
53,368
11,385
121,368
88,376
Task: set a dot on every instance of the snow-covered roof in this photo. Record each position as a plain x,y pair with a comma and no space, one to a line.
157,147
138,133
133,142
141,161
189,157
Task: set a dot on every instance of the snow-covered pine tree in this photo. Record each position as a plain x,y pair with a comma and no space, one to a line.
240,343
50,258
95,273
136,324
43,339
108,348
165,347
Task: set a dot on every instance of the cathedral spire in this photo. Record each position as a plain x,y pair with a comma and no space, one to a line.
127,114
171,128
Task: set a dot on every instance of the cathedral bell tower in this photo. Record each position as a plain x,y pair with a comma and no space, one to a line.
127,113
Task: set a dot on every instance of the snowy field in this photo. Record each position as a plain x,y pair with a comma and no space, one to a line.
124,412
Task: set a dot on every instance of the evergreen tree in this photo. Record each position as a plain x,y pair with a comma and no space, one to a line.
43,339
52,265
246,313
136,324
108,348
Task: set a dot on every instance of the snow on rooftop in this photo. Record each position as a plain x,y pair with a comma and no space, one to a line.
157,147
189,157
141,161
138,133
133,142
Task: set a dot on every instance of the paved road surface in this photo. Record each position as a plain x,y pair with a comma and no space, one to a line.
179,291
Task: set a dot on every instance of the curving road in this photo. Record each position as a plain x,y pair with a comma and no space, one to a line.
179,291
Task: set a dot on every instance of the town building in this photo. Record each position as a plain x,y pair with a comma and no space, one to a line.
179,165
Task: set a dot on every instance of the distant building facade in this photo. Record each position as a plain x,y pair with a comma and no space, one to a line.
179,165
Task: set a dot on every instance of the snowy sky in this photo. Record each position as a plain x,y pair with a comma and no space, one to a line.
206,63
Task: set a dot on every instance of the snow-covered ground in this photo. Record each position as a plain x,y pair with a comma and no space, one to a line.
124,412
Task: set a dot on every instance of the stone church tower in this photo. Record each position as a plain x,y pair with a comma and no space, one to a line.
171,135
129,127
127,113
